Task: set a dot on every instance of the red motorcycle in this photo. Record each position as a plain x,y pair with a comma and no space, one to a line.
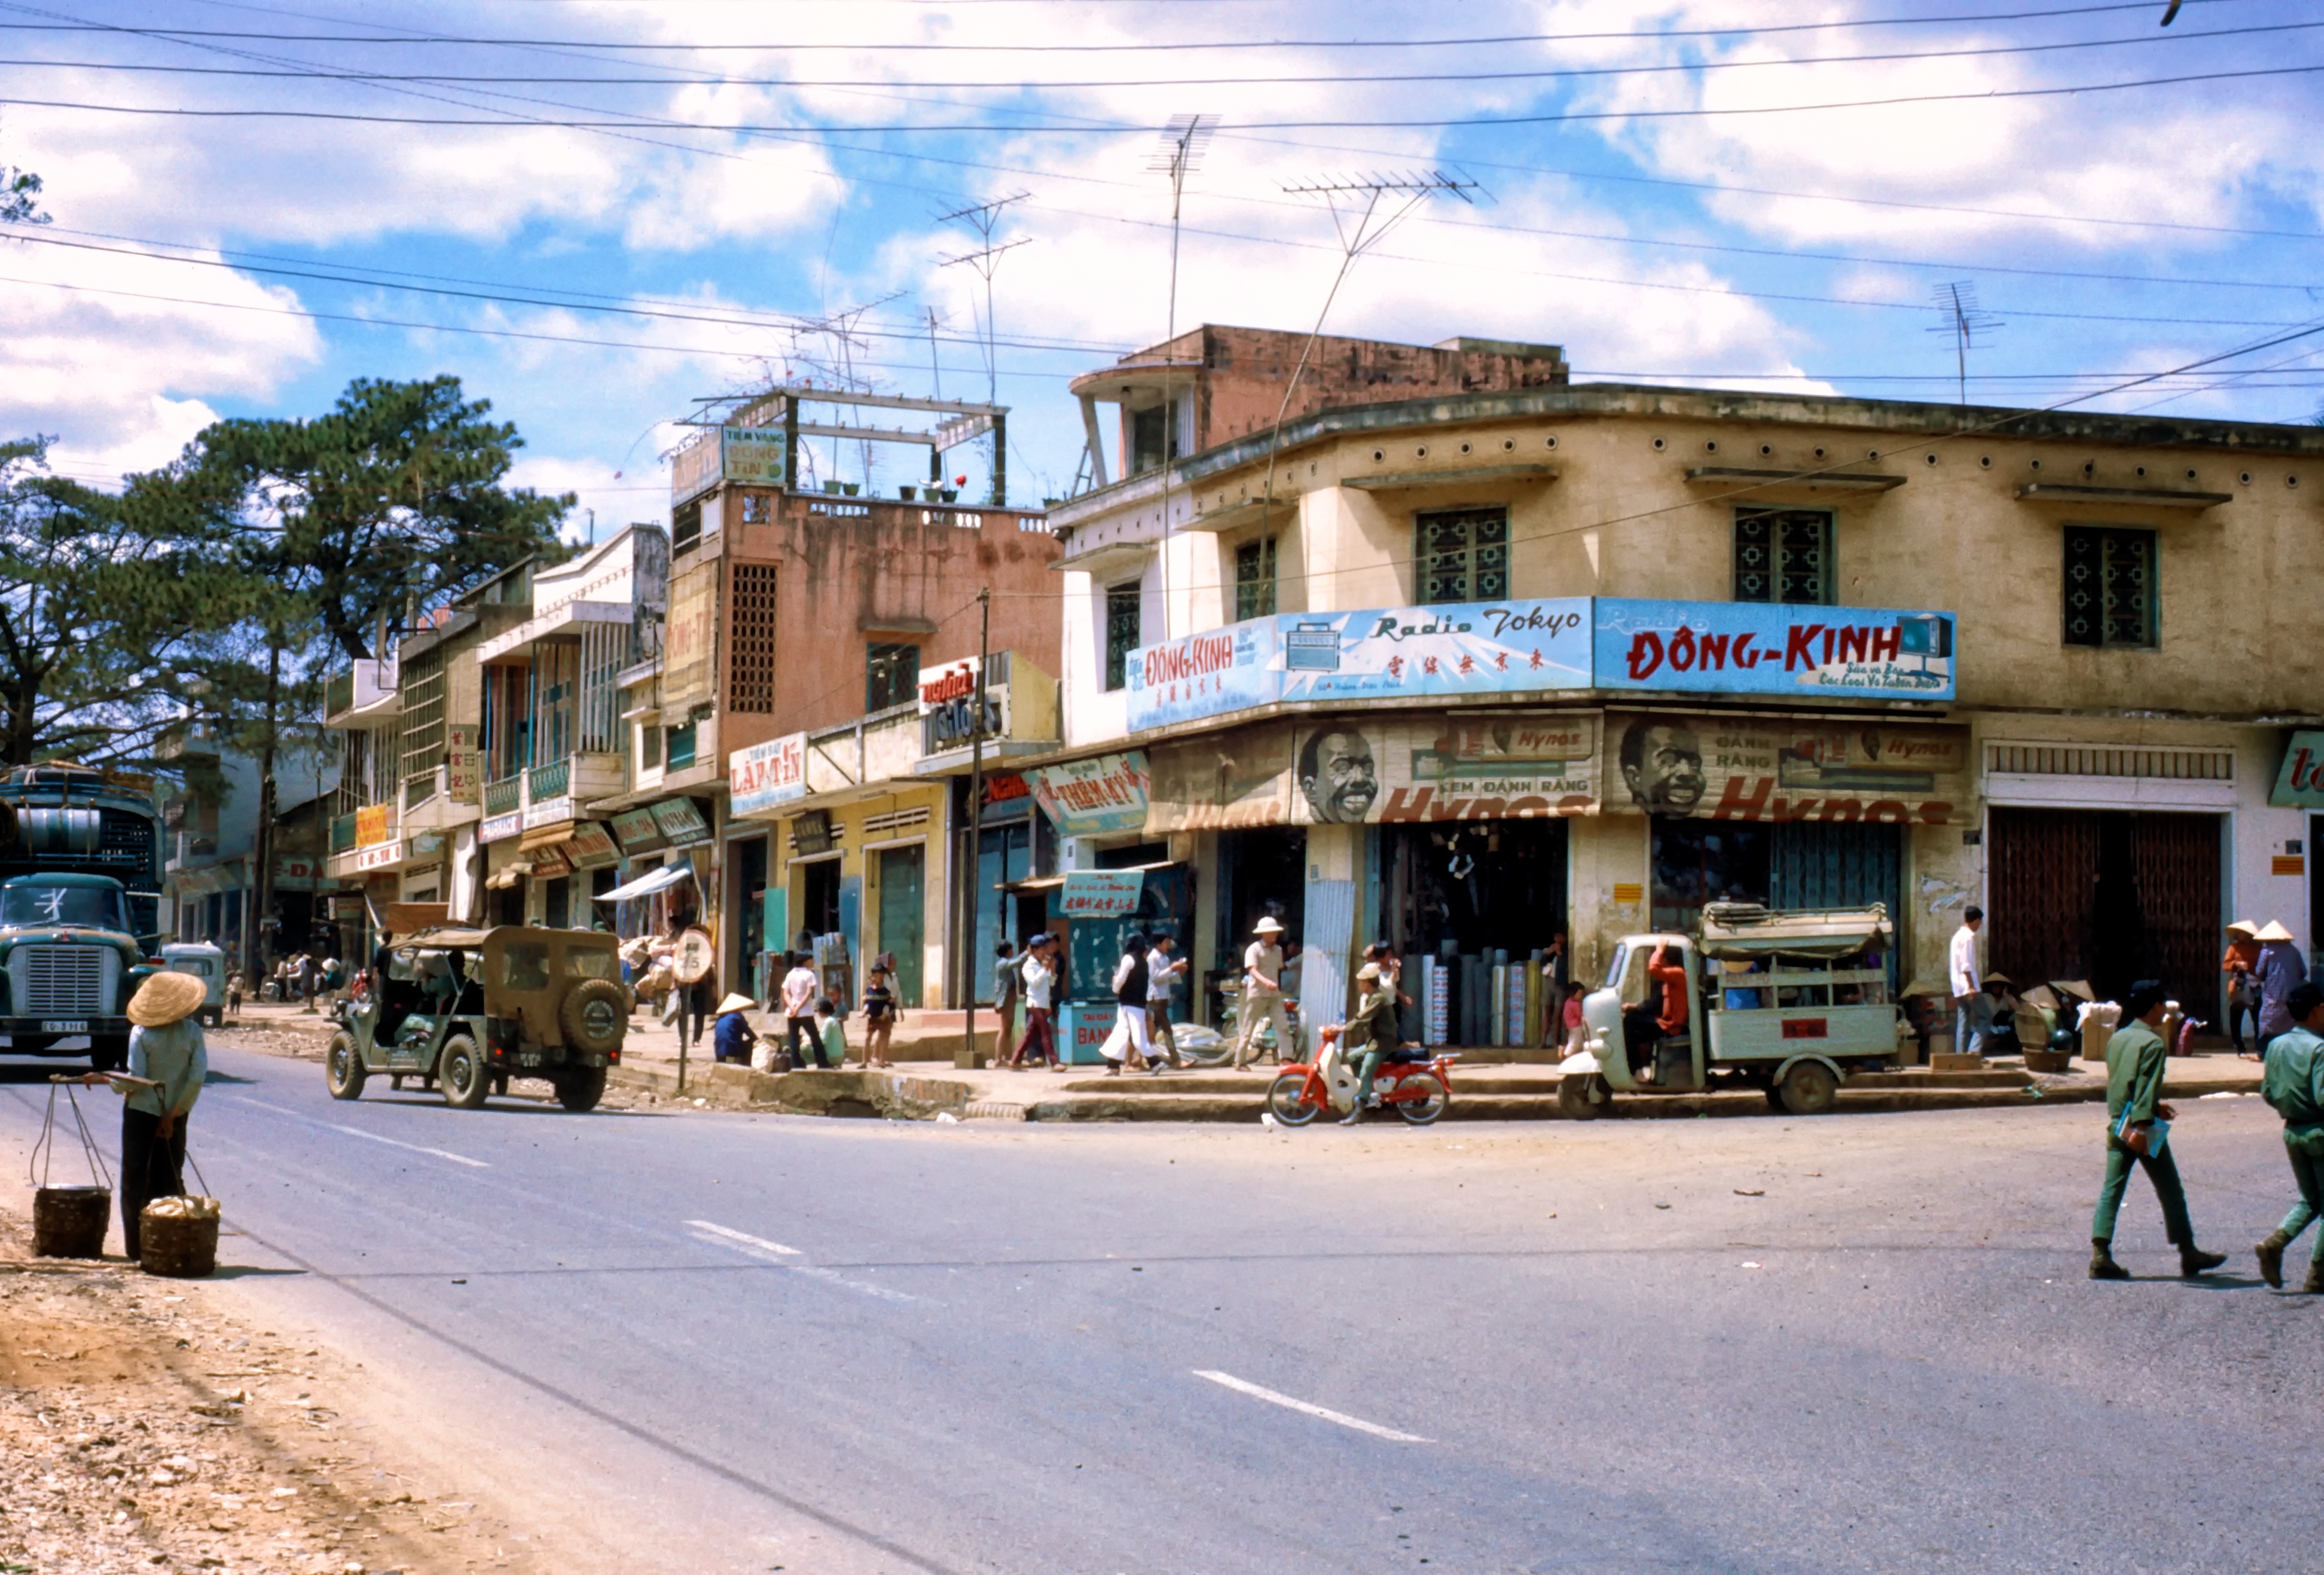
1419,1089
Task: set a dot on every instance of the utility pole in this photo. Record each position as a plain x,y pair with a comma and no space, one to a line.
1180,152
971,865
261,882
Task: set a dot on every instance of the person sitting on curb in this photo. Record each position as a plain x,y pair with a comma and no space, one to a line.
2293,1087
2138,1129
830,1033
731,1039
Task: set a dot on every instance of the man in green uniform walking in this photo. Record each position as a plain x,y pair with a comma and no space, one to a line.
2134,1060
2295,1086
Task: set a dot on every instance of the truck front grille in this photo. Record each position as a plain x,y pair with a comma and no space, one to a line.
51,981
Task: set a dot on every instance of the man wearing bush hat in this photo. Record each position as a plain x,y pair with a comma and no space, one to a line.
166,1051
2134,1107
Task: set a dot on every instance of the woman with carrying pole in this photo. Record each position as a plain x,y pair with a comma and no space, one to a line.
167,1064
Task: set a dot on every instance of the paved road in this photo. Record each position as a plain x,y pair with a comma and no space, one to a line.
704,1342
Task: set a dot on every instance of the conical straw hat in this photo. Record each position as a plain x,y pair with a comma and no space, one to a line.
167,997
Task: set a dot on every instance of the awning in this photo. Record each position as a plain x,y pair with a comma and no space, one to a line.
508,875
646,885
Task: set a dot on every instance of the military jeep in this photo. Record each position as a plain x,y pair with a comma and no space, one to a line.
465,1010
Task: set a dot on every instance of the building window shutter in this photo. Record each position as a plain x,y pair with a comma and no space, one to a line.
1122,634
891,675
750,639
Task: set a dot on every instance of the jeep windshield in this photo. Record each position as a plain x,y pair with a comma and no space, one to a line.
94,908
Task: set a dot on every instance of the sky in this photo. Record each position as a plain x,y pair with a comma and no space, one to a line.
598,213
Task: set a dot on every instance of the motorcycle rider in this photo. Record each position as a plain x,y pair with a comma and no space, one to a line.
1369,1037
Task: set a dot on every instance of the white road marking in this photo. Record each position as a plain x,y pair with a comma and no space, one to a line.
1244,1387
737,1238
370,1136
714,1235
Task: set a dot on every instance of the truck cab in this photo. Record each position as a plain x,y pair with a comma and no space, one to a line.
69,964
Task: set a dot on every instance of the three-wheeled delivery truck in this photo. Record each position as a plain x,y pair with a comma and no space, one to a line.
1783,1001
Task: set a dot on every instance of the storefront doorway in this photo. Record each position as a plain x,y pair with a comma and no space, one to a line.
1485,885
1004,853
2107,896
818,909
1781,864
903,915
1260,871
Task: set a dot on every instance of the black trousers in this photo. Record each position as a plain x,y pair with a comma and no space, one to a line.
150,1168
692,1011
806,1050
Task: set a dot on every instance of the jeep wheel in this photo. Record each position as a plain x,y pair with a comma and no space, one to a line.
580,1089
592,1017
462,1074
343,1067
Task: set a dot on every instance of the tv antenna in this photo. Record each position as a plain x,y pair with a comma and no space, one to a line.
1965,322
985,218
1356,205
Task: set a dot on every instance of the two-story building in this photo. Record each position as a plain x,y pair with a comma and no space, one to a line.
1470,657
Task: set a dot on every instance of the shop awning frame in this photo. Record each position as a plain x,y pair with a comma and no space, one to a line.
653,880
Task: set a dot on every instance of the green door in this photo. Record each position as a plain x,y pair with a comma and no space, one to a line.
903,916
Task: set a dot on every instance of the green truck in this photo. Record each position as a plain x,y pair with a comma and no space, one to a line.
80,877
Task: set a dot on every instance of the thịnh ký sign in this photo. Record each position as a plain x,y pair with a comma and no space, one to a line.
1101,893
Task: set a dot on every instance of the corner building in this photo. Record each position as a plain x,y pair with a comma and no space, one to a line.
1497,657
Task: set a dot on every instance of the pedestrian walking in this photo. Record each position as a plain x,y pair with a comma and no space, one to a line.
2241,965
1262,994
235,985
731,1039
2280,972
879,1014
799,989
1007,986
1128,1041
1040,991
1162,974
2138,1129
167,1051
1961,966
2294,1086
310,979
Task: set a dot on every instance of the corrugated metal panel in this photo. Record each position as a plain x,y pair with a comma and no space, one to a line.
1329,941
1840,864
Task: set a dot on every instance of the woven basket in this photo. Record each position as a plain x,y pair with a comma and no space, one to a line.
69,1222
178,1246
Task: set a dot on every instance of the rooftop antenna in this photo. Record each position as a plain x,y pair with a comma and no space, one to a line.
936,373
985,218
1964,321
1356,214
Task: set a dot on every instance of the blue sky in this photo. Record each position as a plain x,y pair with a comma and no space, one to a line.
1658,192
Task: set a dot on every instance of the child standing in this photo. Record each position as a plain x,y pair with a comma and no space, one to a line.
234,993
879,1017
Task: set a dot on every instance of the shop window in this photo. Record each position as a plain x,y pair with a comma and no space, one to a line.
1121,632
1462,555
685,525
1785,555
678,746
2111,591
750,639
1255,579
649,748
891,675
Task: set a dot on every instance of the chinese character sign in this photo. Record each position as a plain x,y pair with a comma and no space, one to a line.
1465,647
1749,647
1093,797
1101,893
1224,669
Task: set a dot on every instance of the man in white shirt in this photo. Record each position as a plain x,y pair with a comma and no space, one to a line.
1262,996
1162,972
1961,967
1040,975
799,986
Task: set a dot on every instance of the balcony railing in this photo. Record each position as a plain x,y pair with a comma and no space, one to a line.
342,833
551,782
418,791
503,797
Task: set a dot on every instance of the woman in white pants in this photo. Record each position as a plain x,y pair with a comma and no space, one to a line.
1130,979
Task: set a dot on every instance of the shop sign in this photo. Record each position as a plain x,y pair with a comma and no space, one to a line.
947,685
501,827
1775,769
373,825
2300,785
549,862
1008,797
544,812
1101,893
680,822
1234,668
637,830
686,637
751,455
811,832
1096,797
1221,781
462,772
1463,648
767,774
1748,648
298,873
1493,766
591,846
384,856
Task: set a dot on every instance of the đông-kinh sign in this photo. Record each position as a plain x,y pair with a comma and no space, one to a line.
1752,648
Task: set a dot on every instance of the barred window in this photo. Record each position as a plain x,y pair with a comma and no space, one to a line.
891,675
1255,579
1462,555
1121,632
2111,589
423,714
750,639
1785,555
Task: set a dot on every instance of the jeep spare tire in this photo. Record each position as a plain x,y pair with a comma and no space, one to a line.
594,1014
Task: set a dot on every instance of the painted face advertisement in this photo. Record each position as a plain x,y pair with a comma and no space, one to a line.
1223,781
1769,769
1749,647
1509,767
1094,797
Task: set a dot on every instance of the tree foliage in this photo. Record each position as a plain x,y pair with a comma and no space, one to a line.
394,498
19,192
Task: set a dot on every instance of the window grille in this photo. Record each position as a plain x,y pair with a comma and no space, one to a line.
2111,590
1121,632
750,639
1785,555
1463,555
1255,579
891,674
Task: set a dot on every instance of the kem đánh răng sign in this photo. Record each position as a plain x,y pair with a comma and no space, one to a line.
1782,768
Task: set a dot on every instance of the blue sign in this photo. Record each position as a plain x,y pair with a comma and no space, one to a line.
1462,648
1224,669
1756,648
1101,893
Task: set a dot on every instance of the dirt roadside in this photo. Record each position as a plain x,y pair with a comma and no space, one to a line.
143,1426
